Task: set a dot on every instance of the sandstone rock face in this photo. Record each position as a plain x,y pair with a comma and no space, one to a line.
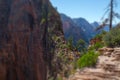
107,68
23,25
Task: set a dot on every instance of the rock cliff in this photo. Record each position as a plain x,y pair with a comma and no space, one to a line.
26,29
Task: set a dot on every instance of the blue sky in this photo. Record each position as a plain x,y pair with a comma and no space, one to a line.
92,10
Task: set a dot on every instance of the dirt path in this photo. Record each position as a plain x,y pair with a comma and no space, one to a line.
107,68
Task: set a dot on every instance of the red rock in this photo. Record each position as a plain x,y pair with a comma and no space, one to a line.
94,41
21,39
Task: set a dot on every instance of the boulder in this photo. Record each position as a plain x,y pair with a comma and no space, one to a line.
105,49
102,50
110,49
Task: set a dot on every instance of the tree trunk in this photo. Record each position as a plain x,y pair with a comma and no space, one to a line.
111,14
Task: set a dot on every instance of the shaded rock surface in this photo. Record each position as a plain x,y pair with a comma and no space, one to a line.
78,28
72,30
25,30
107,68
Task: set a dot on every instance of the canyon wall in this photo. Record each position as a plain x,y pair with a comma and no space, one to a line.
26,27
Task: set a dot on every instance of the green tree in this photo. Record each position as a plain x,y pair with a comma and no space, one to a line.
70,43
80,45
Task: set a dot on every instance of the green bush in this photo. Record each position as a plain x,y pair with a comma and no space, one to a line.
88,59
112,38
99,36
70,43
81,45
96,46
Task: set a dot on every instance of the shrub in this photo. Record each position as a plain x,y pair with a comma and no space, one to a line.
59,78
88,59
97,41
96,46
70,43
100,36
81,45
112,38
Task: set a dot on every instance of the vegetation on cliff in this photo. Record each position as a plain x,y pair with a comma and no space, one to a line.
32,44
112,38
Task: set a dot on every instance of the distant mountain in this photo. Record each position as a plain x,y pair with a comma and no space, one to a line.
78,28
95,24
72,30
86,27
106,28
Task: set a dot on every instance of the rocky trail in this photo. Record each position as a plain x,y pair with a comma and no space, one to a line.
107,67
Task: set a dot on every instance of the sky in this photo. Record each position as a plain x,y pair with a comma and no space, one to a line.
91,10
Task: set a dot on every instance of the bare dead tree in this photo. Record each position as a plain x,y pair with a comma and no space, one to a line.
111,13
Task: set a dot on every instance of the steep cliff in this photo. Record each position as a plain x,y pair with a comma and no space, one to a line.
26,30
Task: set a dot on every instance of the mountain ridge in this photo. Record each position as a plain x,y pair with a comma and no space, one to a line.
71,30
78,27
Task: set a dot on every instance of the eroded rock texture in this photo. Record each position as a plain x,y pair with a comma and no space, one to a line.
25,30
107,67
